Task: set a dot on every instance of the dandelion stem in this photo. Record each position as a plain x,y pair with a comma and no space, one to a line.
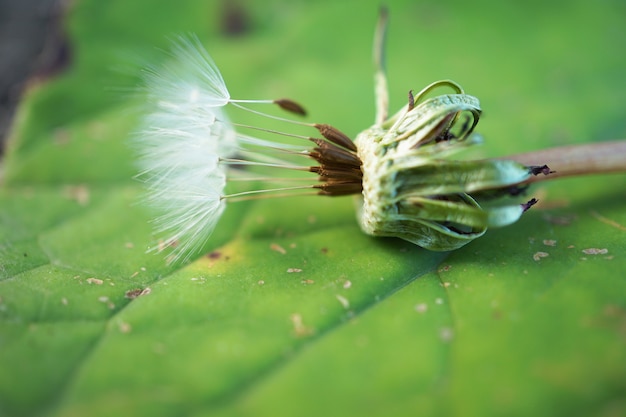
572,160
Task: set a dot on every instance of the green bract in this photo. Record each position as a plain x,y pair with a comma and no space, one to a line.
412,190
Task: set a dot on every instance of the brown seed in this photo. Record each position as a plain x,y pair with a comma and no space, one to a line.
290,106
335,136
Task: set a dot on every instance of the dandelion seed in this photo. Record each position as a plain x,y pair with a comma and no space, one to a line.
191,156
189,150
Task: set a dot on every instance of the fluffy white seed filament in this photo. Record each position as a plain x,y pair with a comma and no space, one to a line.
189,150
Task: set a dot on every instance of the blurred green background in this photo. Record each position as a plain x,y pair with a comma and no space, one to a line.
525,321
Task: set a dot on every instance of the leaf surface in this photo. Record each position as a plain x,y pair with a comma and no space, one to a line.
294,311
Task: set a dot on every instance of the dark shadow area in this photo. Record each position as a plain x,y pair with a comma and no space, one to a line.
33,46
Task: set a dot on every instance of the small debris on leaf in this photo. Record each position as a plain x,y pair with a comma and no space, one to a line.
446,334
137,292
421,307
214,255
595,251
277,248
298,326
343,300
124,327
104,299
78,193
538,255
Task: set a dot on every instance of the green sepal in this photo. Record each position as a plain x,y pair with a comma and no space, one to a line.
440,177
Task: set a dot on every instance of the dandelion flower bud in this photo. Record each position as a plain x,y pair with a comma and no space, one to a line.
413,191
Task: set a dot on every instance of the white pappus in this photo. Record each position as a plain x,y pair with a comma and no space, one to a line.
188,148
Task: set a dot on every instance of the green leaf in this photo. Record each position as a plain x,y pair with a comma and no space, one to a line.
295,311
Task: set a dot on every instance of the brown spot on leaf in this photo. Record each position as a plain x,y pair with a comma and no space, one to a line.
215,255
137,292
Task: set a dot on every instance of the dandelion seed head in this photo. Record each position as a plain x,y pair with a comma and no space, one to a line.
411,190
399,168
188,150
185,133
